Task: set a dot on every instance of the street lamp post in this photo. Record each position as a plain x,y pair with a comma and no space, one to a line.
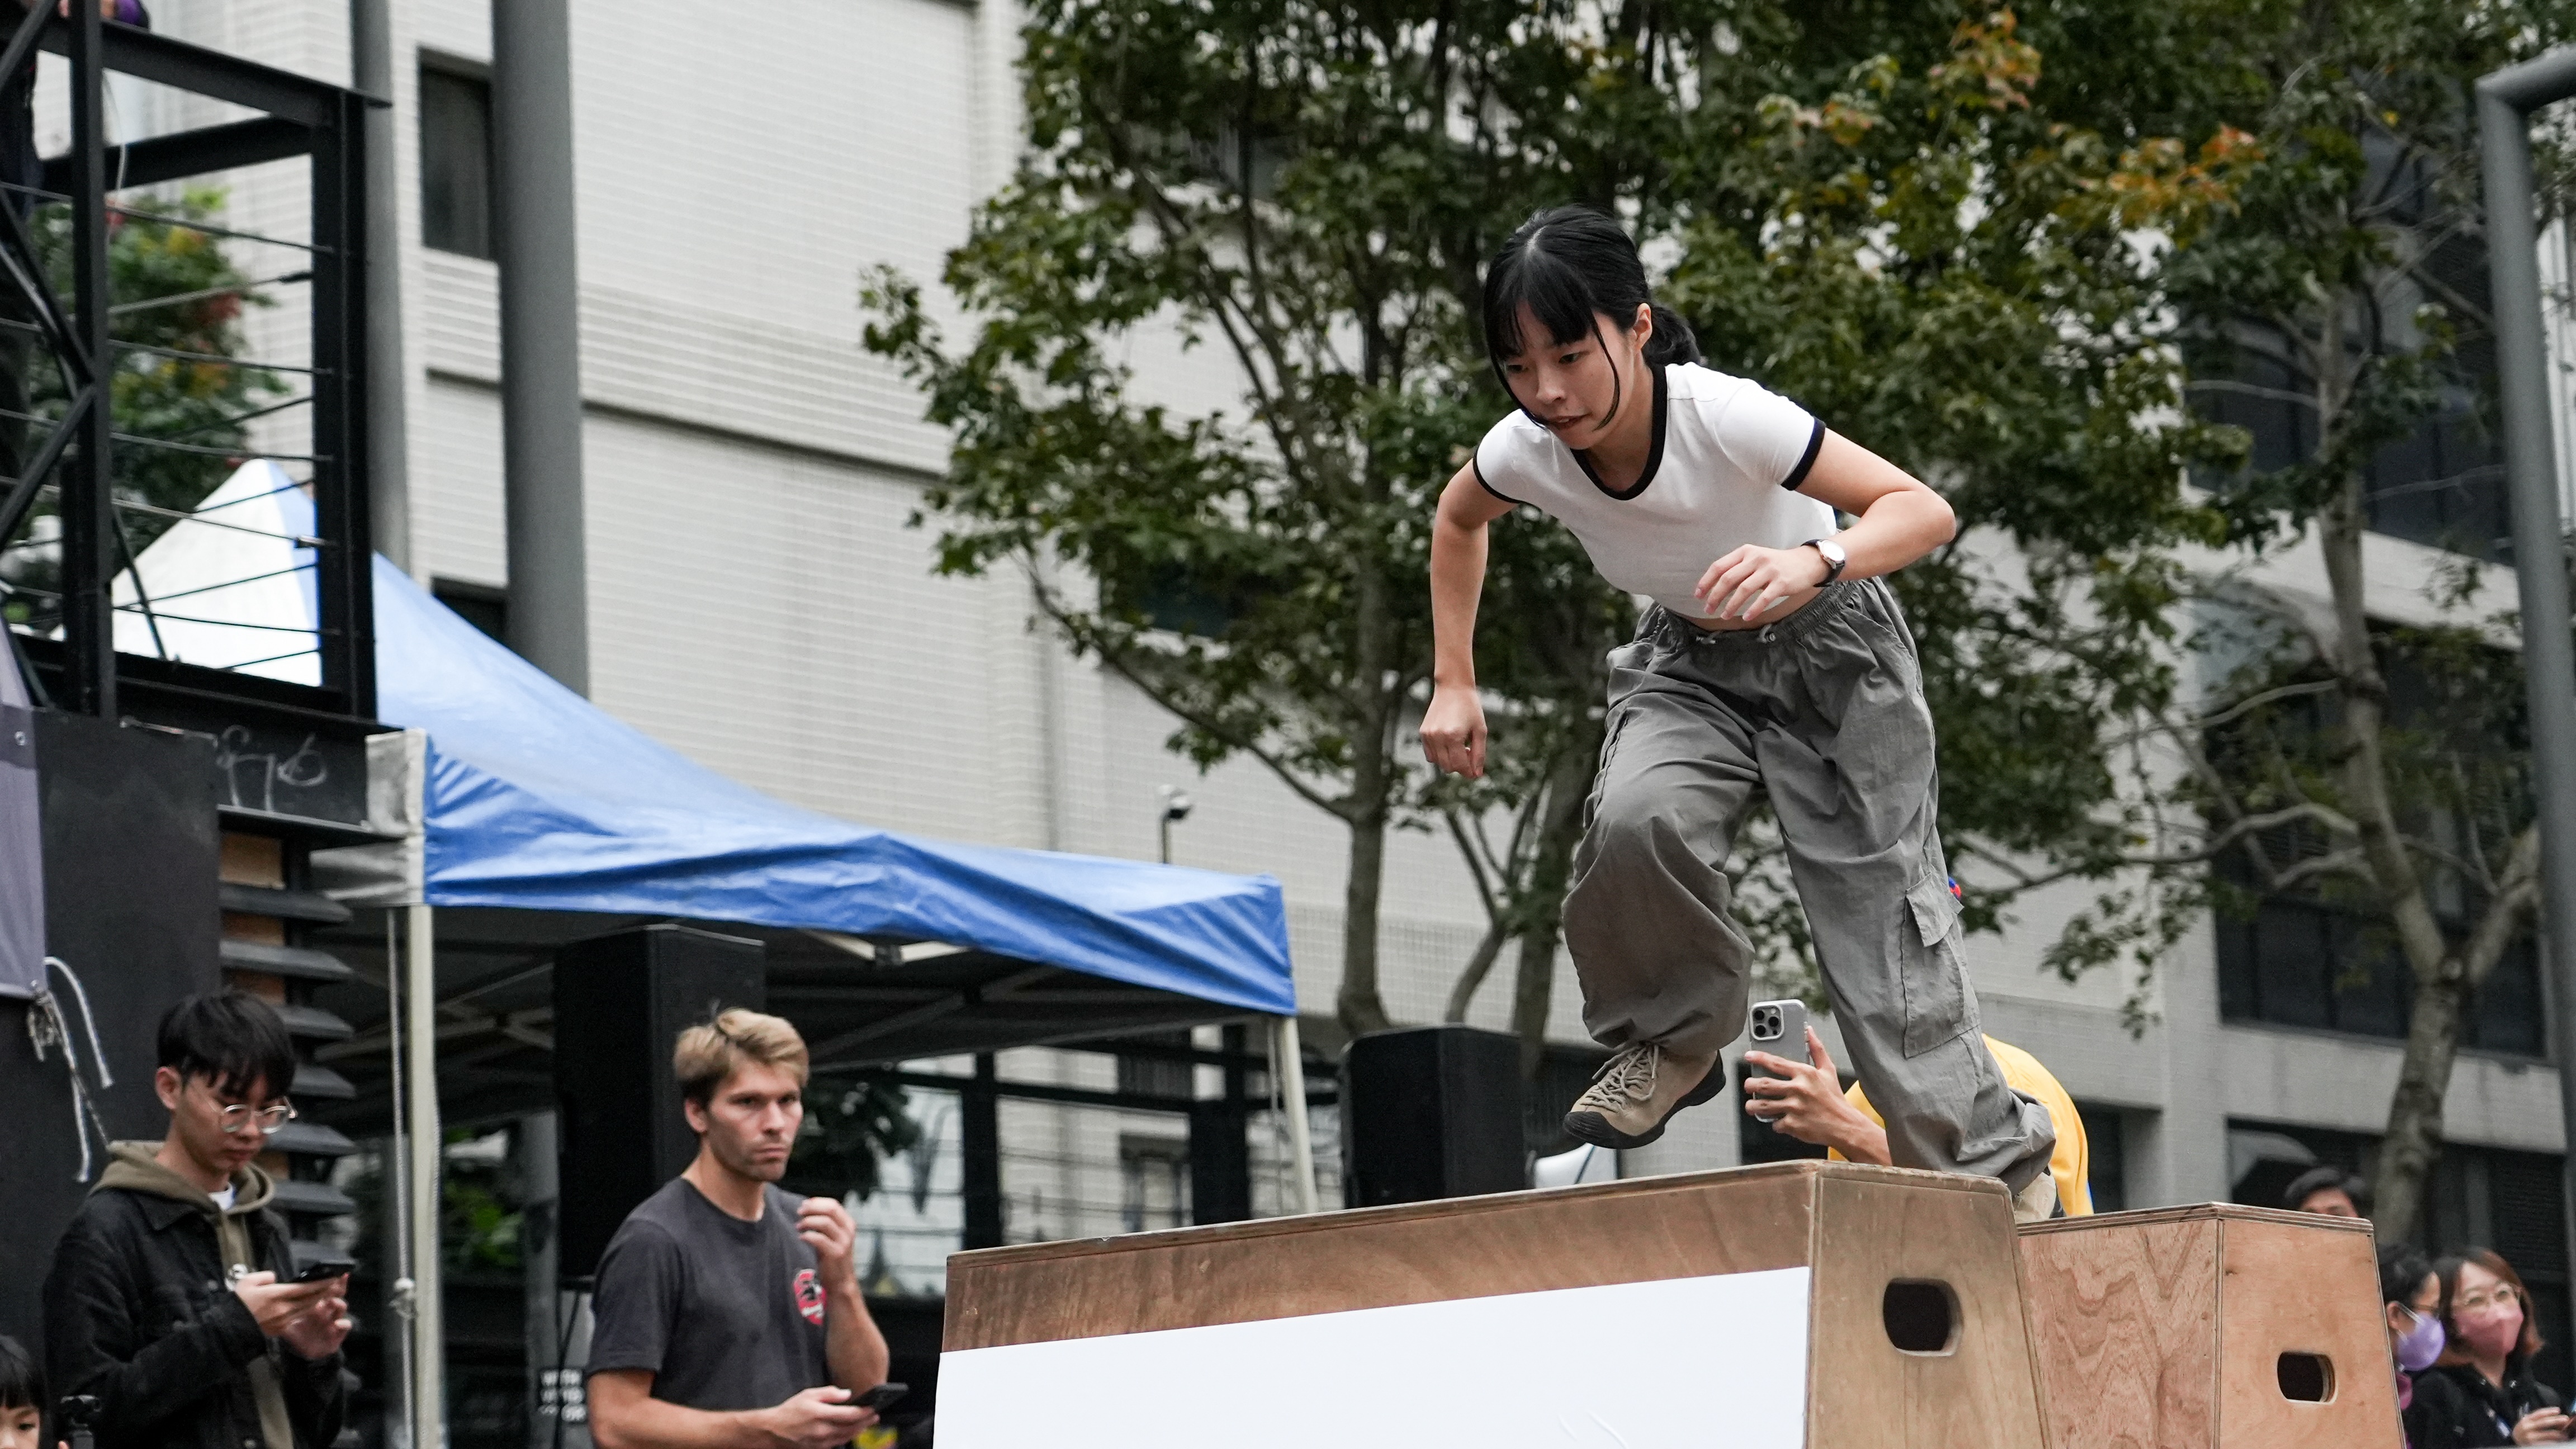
2505,102
1176,807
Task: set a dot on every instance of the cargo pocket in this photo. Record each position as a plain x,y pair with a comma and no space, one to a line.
1601,774
1936,982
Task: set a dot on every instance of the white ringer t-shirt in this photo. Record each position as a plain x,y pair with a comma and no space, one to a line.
1723,471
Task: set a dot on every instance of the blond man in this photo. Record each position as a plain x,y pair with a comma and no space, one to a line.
726,1312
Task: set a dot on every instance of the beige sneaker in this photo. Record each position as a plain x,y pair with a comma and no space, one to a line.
2037,1203
1638,1091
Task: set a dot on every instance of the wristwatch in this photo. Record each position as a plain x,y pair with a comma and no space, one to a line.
1833,555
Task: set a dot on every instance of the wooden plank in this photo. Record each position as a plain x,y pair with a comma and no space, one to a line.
252,860
1742,1221
2296,1287
1862,1389
2196,1212
2124,1323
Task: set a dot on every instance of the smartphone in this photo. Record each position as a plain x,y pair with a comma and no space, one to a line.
1780,1028
322,1268
881,1396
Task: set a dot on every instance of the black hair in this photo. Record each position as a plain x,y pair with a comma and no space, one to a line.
22,1384
231,1038
2318,1179
1571,266
2402,1271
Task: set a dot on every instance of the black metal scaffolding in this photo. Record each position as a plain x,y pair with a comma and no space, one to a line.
298,117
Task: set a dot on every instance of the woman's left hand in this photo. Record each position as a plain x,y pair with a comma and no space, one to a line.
1751,581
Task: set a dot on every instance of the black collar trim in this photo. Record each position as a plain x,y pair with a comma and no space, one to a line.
1654,453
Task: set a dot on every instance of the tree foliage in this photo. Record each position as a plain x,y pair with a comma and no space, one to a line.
1304,190
851,1126
175,290
2026,254
2329,753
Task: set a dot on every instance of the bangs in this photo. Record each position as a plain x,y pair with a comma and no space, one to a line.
233,1040
1554,291
21,1386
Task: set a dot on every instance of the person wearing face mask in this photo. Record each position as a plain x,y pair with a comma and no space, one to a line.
2480,1391
2412,1298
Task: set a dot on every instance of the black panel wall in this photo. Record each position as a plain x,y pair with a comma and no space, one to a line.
130,864
620,1002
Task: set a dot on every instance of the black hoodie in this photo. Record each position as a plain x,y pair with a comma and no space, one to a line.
140,1314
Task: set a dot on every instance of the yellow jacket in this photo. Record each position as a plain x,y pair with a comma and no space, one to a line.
2072,1163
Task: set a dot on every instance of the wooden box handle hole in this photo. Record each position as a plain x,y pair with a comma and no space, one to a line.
2306,1378
1921,1315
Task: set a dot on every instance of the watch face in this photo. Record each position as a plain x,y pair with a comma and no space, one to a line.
1833,552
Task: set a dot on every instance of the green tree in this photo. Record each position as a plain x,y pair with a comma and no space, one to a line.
1932,238
174,289
1305,189
850,1128
2335,756
1899,218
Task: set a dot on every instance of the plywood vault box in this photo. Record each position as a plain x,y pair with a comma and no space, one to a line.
1799,1305
2210,1327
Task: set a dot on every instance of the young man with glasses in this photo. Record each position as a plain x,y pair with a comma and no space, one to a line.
169,1300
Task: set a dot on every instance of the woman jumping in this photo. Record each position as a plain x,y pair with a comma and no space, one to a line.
1774,660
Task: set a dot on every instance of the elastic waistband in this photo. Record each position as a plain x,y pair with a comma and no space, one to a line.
1833,600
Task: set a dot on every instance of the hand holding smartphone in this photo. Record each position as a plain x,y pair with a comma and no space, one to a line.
323,1269
1780,1028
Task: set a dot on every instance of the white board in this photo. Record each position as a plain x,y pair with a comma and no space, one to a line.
1683,1363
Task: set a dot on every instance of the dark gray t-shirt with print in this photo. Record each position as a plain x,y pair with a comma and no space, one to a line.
723,1313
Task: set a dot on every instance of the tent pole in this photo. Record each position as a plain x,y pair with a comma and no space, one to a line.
428,1351
1288,1059
397,1204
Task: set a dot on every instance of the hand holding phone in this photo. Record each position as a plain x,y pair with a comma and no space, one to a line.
1780,1029
881,1396
323,1269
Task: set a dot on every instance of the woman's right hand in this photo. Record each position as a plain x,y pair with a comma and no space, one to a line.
1453,732
2542,1426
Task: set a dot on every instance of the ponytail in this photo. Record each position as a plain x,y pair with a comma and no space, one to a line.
1673,341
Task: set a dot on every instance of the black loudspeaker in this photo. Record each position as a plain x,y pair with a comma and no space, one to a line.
1431,1112
621,1001
131,849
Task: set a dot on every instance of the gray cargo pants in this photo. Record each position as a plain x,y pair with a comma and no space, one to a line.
1824,713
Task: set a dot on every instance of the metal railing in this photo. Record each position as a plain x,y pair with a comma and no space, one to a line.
74,452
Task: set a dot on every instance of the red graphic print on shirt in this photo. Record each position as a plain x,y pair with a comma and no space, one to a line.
809,1295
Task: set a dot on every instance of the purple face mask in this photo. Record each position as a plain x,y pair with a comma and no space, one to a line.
2417,1347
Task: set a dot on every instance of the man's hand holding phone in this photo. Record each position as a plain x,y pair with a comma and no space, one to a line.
816,1419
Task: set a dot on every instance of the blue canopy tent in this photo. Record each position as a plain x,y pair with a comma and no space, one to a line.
537,818
535,799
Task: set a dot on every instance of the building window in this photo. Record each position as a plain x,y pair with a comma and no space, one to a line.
1154,1173
2322,954
2443,483
2106,1145
481,605
1160,1071
455,159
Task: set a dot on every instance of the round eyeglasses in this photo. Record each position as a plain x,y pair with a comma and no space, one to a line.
241,1117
